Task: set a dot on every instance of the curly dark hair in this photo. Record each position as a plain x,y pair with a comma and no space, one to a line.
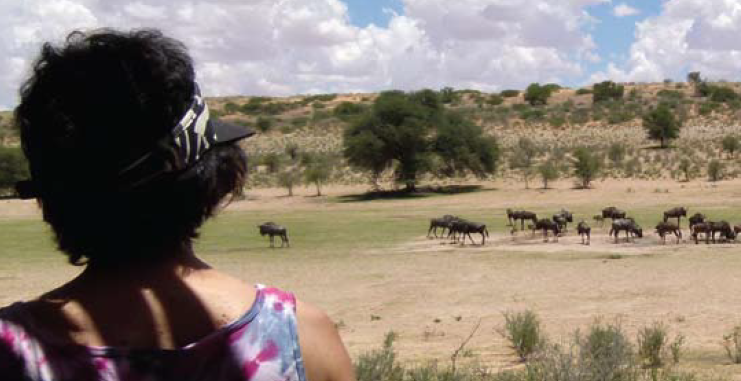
90,108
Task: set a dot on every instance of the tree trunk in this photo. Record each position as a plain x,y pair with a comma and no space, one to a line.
290,191
318,190
411,186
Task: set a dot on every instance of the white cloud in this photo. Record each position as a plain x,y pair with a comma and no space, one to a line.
688,35
624,10
282,47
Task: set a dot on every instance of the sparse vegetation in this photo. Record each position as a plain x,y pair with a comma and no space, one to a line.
522,330
586,166
732,344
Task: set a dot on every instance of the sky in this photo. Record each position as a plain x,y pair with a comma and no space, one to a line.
287,47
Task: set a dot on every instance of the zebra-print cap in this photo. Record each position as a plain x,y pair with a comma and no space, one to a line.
196,133
191,138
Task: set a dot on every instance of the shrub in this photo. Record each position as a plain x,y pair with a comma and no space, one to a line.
448,95
264,124
583,92
495,100
605,353
685,166
607,90
557,120
586,166
380,365
231,108
732,344
722,94
537,94
522,329
651,344
274,162
731,144
715,170
579,116
510,93
616,153
13,167
289,179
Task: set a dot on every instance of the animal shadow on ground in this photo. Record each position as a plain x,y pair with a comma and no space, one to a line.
421,192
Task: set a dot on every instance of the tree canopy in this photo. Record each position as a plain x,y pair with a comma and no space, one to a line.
405,131
607,90
537,94
661,124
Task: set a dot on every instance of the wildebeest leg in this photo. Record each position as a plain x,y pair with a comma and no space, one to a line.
545,235
272,241
589,237
483,238
430,230
469,237
555,235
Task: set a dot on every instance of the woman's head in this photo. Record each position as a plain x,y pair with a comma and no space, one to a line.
91,110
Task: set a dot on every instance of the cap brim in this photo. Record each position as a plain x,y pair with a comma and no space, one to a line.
229,132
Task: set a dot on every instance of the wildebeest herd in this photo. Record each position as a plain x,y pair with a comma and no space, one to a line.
699,225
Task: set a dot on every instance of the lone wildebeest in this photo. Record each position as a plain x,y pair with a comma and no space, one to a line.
677,213
664,228
272,229
696,218
629,226
613,213
523,215
584,231
546,226
443,223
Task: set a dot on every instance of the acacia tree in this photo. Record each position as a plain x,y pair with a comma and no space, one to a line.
548,172
523,158
607,90
318,172
661,124
537,94
586,166
403,131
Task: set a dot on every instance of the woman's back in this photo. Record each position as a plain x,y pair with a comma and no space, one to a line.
260,345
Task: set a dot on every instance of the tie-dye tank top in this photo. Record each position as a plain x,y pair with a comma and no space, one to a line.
262,345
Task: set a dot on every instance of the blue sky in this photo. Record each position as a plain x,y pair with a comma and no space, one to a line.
283,48
613,35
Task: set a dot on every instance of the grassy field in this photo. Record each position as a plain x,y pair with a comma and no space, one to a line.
370,266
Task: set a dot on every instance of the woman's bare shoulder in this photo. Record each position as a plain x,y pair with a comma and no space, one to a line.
324,354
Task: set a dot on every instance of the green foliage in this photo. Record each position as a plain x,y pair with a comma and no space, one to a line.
723,94
264,124
552,87
318,172
495,100
274,162
670,94
694,77
732,344
523,331
13,167
537,95
510,93
289,178
685,166
319,98
231,108
523,158
652,342
587,166
616,154
607,90
661,124
548,172
605,353
579,116
448,95
557,120
583,91
380,365
731,144
405,131
715,171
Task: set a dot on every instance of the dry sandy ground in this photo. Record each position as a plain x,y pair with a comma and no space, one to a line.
433,293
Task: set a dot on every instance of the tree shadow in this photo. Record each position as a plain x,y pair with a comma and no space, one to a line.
421,192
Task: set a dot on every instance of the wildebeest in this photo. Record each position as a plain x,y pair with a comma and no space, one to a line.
724,229
629,226
510,216
696,219
460,229
272,229
737,230
664,228
701,228
443,223
613,213
584,231
523,215
546,226
563,218
677,213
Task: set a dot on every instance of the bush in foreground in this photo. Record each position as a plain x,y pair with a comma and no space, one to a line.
522,329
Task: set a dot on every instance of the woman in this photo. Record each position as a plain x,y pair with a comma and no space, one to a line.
126,166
